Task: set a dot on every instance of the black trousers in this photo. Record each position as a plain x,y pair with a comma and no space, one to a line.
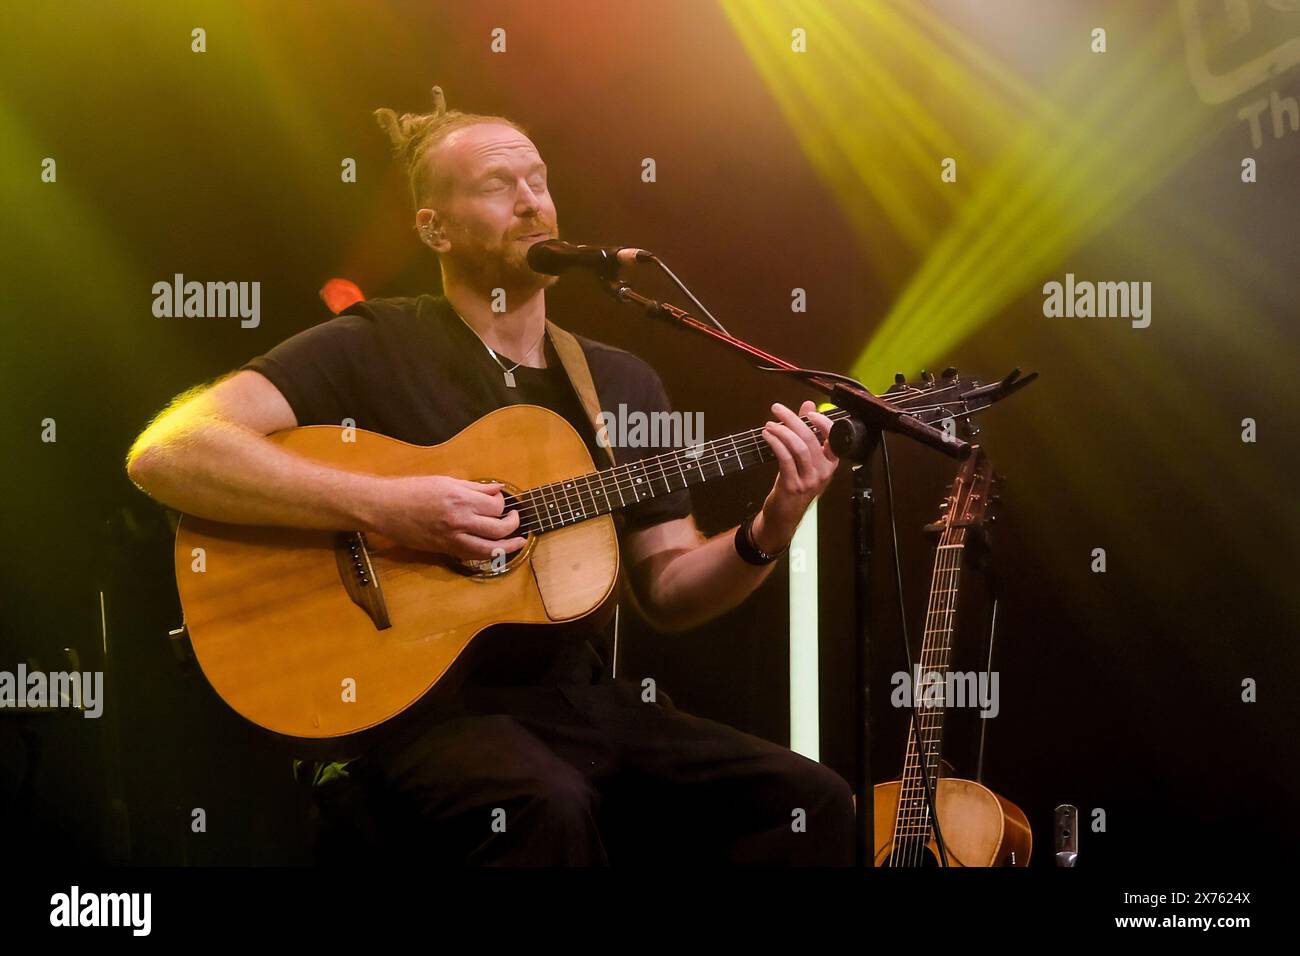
593,775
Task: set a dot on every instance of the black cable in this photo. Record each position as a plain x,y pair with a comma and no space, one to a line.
689,294
927,785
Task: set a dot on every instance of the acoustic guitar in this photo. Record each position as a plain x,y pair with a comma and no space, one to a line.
317,635
979,827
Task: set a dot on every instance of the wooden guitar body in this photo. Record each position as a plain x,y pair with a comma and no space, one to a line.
979,828
322,634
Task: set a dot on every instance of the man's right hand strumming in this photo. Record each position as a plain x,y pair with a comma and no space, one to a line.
462,518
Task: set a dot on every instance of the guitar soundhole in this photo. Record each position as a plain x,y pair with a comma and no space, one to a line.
496,565
503,562
913,857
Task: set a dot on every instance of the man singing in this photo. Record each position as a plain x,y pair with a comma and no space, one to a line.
542,758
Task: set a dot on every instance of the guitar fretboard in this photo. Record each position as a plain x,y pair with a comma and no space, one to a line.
563,503
912,822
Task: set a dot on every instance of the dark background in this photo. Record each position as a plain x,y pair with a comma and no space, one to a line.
1119,691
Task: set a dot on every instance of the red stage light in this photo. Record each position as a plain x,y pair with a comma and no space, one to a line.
338,294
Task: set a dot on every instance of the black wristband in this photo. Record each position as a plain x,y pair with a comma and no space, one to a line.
748,550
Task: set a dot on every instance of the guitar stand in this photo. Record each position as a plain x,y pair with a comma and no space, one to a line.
862,501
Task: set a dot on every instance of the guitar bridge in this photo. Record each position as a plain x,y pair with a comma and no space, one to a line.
359,578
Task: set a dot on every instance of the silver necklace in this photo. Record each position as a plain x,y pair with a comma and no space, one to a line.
507,373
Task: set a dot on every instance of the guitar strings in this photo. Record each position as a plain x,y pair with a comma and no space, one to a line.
930,762
907,828
567,502
912,825
904,817
911,828
622,477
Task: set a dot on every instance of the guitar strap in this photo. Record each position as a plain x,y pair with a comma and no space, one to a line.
574,361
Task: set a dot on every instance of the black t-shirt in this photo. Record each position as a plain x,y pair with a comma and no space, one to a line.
410,368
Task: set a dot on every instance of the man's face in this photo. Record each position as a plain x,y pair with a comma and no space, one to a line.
495,205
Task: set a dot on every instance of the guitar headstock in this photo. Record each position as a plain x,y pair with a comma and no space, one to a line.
972,496
937,401
950,402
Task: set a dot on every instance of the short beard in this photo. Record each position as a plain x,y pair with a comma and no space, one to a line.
488,273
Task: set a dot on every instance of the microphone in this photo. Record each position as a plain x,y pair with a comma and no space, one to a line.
554,256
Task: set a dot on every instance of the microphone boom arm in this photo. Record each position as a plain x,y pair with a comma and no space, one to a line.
857,400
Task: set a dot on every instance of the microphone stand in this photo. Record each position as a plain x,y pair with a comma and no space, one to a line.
855,438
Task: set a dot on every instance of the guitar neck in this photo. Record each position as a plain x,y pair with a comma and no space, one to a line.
563,503
913,819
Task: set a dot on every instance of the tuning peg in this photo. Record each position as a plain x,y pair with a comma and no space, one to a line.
900,378
927,377
943,505
949,372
